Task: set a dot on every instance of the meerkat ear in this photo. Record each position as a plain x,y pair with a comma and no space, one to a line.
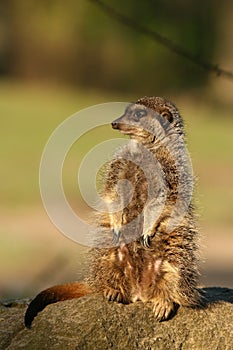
167,115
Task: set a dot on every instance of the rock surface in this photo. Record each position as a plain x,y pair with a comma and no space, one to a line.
93,323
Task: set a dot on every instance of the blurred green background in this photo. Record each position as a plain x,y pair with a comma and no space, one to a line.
57,58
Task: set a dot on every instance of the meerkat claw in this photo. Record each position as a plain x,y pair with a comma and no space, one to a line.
145,239
115,236
164,310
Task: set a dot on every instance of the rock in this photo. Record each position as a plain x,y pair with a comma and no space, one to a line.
92,323
11,320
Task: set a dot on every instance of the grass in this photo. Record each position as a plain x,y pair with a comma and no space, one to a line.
211,146
30,113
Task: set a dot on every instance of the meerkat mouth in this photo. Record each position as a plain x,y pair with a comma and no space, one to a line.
134,132
124,128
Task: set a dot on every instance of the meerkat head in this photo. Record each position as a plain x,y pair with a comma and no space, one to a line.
150,119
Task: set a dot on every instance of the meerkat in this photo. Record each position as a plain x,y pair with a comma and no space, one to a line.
151,238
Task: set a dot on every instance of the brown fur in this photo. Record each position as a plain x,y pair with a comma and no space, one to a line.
150,263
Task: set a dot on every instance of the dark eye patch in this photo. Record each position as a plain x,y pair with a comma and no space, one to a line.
139,113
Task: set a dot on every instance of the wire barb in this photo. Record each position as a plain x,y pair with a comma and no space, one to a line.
164,41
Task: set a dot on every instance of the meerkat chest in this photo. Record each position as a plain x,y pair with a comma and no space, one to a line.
135,178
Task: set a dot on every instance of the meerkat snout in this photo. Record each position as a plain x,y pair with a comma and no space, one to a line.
114,124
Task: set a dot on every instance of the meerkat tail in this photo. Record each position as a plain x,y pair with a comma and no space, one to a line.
53,295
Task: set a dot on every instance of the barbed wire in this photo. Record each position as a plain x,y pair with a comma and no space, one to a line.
164,41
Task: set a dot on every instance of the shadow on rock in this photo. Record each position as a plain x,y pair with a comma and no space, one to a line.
216,294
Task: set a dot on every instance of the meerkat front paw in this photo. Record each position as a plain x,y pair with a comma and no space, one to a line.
116,234
146,238
163,309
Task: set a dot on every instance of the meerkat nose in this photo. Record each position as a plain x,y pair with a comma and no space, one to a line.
114,125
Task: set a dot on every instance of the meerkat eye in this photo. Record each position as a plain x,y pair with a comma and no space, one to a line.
140,113
168,115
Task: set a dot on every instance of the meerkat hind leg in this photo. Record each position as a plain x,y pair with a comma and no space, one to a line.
166,294
163,309
119,268
115,295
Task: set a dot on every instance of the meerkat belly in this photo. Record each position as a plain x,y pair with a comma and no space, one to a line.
142,271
